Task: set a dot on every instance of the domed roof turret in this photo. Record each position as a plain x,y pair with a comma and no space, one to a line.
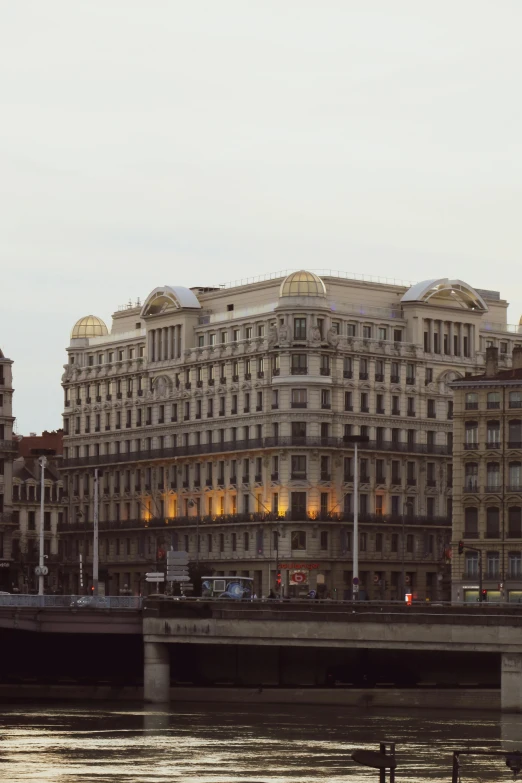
302,283
89,326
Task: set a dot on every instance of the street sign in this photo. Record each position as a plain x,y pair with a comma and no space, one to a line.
155,575
356,580
177,558
178,578
155,578
177,569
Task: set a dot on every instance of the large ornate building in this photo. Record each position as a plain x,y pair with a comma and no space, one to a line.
216,417
487,517
7,449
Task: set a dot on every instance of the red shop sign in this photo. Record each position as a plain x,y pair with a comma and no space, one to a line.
298,566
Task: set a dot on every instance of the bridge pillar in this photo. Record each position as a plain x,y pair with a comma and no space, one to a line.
156,673
511,682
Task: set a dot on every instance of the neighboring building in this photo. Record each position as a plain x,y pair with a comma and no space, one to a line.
26,511
220,412
7,450
487,470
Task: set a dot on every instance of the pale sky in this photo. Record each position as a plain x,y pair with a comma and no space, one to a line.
151,142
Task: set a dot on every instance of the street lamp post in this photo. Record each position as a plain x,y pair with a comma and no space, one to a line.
95,549
355,439
405,508
42,461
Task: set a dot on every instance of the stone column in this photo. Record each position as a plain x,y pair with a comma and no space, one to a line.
179,342
171,342
450,337
511,682
151,345
157,355
156,672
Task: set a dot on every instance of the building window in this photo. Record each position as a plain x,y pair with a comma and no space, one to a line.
323,542
514,522
514,565
515,475
298,398
471,477
471,522
299,364
471,435
299,328
298,503
515,399
471,401
492,565
493,400
492,522
298,466
298,538
471,564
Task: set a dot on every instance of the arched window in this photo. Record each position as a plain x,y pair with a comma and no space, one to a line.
515,434
471,481
471,522
514,522
515,476
493,400
515,399
471,401
492,522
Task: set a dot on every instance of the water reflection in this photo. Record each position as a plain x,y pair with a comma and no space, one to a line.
206,743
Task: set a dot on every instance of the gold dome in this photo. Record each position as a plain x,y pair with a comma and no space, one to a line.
90,326
302,283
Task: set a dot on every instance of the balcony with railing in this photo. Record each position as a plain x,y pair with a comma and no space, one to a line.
10,446
289,441
81,526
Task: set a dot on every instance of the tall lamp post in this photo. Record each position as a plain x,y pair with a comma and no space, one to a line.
405,510
95,549
42,461
355,439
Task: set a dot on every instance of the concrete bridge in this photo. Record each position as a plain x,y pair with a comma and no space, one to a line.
468,630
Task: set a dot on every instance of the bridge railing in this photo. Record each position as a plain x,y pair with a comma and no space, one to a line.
72,601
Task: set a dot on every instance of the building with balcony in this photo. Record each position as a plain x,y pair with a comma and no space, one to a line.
216,420
26,512
487,469
7,451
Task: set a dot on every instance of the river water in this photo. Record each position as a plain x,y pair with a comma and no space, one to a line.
209,742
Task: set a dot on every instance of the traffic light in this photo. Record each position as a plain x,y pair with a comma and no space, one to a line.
461,547
483,595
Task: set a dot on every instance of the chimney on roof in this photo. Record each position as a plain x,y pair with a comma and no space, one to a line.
517,358
491,361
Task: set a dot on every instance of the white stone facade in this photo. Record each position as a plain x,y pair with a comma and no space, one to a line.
221,412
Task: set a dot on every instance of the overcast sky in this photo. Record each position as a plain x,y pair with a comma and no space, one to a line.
145,142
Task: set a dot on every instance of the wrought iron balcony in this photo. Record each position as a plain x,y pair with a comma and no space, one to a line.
8,445
81,526
289,441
